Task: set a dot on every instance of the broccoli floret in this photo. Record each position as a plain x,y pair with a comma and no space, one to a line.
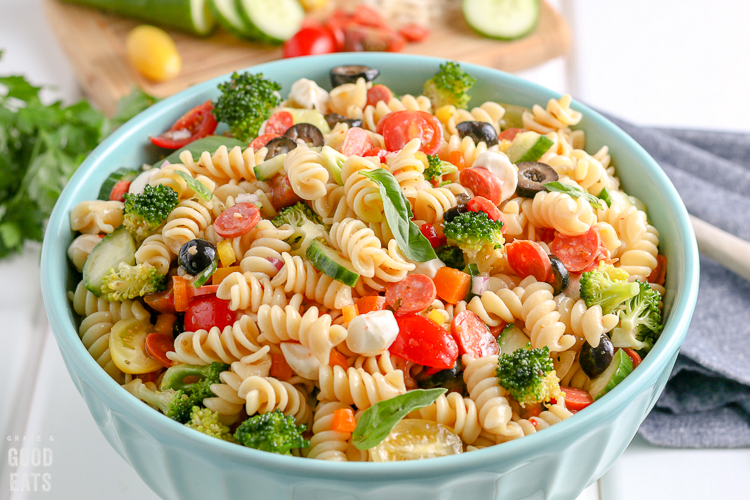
144,213
174,404
451,256
273,431
128,282
449,86
529,375
207,421
474,232
640,320
174,378
296,215
607,287
437,168
246,101
306,223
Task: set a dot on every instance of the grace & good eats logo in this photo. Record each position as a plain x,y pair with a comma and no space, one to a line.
28,458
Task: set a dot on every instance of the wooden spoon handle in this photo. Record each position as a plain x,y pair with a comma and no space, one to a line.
728,250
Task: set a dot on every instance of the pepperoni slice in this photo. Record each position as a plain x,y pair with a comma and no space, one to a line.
509,134
577,252
237,220
379,152
602,255
482,204
282,194
545,234
119,190
262,140
472,335
412,294
356,142
378,93
158,345
482,183
279,123
527,258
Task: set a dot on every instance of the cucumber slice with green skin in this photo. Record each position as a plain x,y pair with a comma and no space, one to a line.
116,247
333,161
620,367
331,263
121,174
310,116
229,18
502,19
192,16
272,21
528,146
511,339
269,168
513,116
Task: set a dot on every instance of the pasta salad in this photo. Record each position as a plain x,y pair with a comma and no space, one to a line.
354,275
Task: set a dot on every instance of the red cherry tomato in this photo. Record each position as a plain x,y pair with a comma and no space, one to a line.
414,32
162,302
472,335
195,124
282,194
237,220
429,232
193,292
400,127
634,356
203,313
279,123
378,93
481,204
527,258
379,152
509,134
262,140
119,190
158,345
356,142
424,342
412,294
482,183
309,41
577,252
576,399
367,16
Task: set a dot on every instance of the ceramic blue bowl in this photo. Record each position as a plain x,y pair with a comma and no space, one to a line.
558,463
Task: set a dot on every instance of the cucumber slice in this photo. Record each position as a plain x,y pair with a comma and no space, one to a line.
333,161
513,116
269,168
272,21
121,174
310,116
117,247
618,369
511,339
229,18
503,19
331,263
528,146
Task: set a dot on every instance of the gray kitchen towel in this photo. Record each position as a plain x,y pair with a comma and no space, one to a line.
706,403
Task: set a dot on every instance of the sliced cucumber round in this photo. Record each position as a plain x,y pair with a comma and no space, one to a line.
331,263
513,117
272,21
225,11
117,247
269,168
312,116
511,339
528,146
121,174
620,367
503,19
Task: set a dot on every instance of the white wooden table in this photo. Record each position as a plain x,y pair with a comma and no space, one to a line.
670,63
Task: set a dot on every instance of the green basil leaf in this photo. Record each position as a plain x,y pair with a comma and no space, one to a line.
210,143
379,420
196,186
605,197
204,275
574,192
398,213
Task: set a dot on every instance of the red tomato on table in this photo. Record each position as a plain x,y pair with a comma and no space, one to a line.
400,127
310,40
195,124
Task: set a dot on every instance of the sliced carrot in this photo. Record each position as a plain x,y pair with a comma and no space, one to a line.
343,420
350,312
634,356
179,287
279,367
497,330
457,159
201,291
338,359
576,399
452,285
370,303
222,273
164,323
659,274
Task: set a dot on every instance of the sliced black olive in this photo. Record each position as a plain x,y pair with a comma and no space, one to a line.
307,132
532,176
441,378
334,118
478,131
279,145
562,278
594,360
451,213
196,255
462,199
179,325
350,73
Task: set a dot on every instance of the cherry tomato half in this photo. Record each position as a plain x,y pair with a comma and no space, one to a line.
208,311
429,232
158,345
480,204
509,134
309,41
527,258
262,140
237,220
576,399
424,342
472,335
400,127
412,294
279,123
195,124
119,190
414,32
379,152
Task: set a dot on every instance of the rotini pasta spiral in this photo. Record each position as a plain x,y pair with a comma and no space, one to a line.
407,169
554,415
168,176
431,203
217,346
307,174
392,269
359,244
639,259
225,164
586,322
570,216
456,412
357,387
95,217
154,251
630,223
539,313
228,403
86,303
484,389
80,248
468,149
94,332
188,221
489,112
246,292
266,394
327,444
349,99
300,277
372,115
265,251
362,194
556,116
494,307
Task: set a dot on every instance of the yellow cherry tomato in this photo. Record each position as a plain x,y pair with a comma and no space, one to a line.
152,53
127,346
415,439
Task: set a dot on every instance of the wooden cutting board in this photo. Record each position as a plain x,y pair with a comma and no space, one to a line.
95,44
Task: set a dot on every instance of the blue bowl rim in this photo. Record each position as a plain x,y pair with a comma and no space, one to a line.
57,307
